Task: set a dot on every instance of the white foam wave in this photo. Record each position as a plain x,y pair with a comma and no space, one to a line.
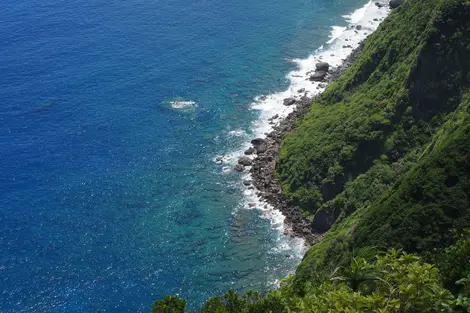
343,40
182,105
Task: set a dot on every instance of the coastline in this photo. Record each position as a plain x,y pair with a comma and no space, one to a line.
280,113
263,168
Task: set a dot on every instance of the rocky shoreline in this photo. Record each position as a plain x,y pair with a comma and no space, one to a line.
267,153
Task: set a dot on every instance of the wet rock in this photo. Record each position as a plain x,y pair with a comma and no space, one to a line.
378,4
251,204
301,90
262,98
247,182
322,67
257,141
274,117
239,168
289,101
358,27
318,76
395,3
250,150
219,159
261,149
245,161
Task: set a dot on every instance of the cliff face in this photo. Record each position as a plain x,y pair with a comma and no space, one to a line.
383,157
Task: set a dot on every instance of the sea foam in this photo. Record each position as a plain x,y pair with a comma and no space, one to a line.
343,40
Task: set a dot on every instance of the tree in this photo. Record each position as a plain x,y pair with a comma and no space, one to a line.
169,304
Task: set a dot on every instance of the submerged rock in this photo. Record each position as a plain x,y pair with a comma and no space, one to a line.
239,168
245,161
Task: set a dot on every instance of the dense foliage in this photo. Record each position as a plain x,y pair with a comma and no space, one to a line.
382,160
394,282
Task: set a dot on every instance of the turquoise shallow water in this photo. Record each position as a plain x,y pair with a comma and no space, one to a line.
109,198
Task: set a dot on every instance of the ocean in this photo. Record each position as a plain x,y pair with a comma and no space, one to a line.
112,114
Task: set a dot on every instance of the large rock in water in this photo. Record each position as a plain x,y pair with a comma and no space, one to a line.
245,161
250,150
289,101
395,3
239,168
318,76
257,141
322,67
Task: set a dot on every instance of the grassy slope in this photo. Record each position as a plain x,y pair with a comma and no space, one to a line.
386,150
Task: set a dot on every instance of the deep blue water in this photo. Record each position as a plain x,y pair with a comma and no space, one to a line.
110,200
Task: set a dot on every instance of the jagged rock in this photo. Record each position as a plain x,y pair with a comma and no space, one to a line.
322,67
257,141
395,3
289,101
245,161
239,168
250,150
318,76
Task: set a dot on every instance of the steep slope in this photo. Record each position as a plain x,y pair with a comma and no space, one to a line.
373,123
393,137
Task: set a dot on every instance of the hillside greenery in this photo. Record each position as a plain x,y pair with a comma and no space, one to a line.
381,163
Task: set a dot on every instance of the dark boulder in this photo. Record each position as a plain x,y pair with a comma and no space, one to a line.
239,168
261,149
246,182
395,3
358,27
257,141
378,4
245,161
250,150
318,76
289,101
322,67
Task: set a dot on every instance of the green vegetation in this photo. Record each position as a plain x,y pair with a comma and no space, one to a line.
392,282
382,163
